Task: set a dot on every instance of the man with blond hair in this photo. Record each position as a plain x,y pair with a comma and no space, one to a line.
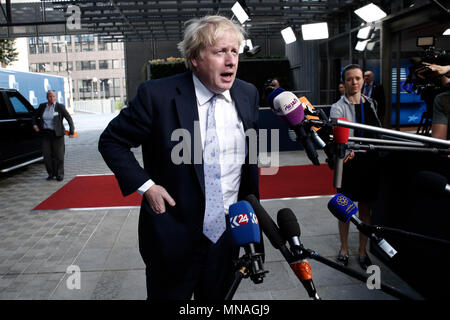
184,233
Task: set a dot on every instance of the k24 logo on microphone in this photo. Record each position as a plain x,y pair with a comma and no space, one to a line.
243,219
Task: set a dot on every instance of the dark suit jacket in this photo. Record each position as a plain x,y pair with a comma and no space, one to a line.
378,95
60,113
160,107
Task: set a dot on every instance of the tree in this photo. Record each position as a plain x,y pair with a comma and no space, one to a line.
8,52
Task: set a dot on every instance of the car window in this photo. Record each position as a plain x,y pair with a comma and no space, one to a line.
18,106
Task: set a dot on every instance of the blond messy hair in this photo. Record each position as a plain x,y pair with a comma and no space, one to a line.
203,32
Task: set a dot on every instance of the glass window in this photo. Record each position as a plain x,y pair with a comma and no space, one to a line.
43,67
86,65
18,105
85,89
116,87
104,64
62,66
103,46
57,66
105,88
116,63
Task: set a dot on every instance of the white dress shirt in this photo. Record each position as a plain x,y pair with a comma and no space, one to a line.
230,132
47,117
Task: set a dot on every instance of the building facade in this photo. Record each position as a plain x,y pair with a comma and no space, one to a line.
96,69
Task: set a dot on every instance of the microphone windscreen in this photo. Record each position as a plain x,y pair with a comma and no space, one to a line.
341,134
342,207
431,182
244,224
266,223
288,224
287,107
275,92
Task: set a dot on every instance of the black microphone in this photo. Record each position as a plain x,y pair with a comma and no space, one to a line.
290,230
269,227
289,109
272,232
433,183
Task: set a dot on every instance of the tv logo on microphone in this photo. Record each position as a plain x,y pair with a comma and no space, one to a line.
243,219
288,107
343,202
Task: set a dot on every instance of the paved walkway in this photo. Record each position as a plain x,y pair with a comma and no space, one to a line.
37,248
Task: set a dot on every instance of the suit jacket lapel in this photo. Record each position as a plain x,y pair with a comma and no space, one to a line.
186,107
241,102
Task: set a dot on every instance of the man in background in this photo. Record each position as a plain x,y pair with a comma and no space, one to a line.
48,119
375,91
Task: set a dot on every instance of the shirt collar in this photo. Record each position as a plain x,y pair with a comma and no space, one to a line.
203,94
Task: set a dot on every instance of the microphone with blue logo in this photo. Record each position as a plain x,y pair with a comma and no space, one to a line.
246,233
345,210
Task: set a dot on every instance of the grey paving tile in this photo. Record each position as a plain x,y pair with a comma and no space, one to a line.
109,285
133,286
124,258
92,259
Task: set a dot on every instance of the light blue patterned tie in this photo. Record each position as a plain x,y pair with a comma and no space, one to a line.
214,220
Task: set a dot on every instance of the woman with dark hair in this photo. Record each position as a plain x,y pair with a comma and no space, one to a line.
359,174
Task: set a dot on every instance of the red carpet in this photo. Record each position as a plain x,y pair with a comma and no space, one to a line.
89,192
297,181
103,190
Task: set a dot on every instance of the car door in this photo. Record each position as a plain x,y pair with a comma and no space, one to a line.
8,127
27,143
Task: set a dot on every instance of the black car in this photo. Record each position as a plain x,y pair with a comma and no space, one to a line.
20,145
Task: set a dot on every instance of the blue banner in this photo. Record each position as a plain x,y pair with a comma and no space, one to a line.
33,86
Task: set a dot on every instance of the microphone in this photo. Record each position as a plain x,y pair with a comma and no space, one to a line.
269,227
289,109
290,230
312,114
340,137
433,183
344,210
272,232
245,231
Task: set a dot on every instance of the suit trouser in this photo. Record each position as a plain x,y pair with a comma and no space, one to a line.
53,150
208,275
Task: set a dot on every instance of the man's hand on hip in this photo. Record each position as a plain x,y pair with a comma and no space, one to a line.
156,197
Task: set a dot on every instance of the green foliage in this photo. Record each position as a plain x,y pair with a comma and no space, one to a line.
119,104
165,69
8,53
